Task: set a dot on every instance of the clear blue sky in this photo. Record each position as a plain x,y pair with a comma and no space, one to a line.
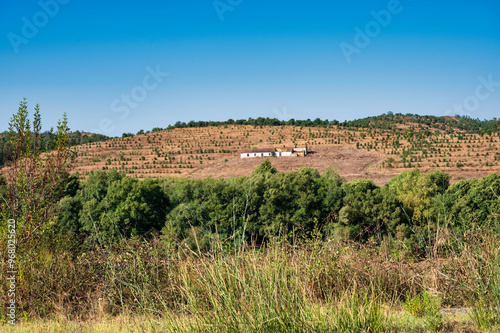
241,58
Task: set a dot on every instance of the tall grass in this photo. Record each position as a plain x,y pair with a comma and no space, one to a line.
268,291
304,286
481,254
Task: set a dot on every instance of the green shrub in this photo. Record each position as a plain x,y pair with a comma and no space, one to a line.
427,307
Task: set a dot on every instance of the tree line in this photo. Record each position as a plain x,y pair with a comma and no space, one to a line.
385,121
268,204
47,142
450,124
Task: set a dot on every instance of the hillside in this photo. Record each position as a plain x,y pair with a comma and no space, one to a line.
376,148
47,140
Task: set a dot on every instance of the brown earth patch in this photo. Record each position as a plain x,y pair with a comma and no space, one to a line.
374,154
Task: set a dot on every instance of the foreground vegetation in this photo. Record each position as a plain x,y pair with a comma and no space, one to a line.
273,252
304,286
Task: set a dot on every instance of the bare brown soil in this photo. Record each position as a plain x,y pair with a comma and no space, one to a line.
378,155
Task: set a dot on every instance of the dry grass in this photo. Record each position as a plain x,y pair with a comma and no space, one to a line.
309,286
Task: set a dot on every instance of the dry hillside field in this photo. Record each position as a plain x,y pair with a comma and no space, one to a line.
374,154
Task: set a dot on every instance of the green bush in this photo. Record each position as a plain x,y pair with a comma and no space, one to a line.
427,307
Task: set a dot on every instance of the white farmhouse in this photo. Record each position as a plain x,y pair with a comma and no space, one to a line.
274,152
262,152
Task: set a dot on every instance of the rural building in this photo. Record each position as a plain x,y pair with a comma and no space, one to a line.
300,151
262,152
283,151
274,152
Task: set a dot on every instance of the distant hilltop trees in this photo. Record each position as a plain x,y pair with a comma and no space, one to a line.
47,142
384,121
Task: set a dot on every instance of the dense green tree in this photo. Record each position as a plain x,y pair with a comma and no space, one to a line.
69,209
110,206
264,168
291,202
416,191
84,207
133,208
217,206
331,193
474,201
368,211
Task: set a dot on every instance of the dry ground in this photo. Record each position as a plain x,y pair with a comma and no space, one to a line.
371,154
